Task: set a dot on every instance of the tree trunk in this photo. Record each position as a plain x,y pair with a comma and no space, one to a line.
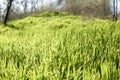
116,11
7,11
115,17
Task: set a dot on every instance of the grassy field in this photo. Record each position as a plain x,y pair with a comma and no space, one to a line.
60,46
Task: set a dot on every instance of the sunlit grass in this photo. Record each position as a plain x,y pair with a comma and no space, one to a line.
64,47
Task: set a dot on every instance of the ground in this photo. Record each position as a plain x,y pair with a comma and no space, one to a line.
60,46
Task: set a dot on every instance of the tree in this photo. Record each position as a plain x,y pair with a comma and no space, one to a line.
73,6
25,5
59,2
106,10
92,8
0,13
34,4
115,16
7,11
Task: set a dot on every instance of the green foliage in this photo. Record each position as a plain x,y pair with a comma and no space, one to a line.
51,14
60,48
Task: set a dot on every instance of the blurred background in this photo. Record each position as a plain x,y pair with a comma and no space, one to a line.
91,8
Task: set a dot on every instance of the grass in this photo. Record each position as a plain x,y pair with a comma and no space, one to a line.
60,46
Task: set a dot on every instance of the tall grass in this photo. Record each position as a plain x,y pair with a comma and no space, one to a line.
60,48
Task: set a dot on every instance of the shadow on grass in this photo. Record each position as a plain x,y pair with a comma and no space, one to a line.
14,27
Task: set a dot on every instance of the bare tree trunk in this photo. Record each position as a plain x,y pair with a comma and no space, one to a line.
7,12
33,5
115,10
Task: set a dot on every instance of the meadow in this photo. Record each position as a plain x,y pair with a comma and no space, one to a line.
60,46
